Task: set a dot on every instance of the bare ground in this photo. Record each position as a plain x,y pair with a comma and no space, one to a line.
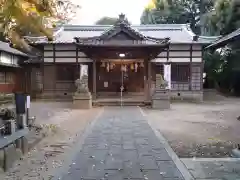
64,128
210,129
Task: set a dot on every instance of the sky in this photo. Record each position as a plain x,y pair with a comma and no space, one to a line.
92,10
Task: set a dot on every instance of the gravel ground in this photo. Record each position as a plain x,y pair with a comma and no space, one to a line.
64,126
210,129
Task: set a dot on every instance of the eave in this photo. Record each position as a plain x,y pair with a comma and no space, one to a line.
230,38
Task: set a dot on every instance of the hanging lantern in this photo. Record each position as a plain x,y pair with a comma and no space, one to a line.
136,67
122,68
125,68
132,66
108,67
141,64
111,66
103,64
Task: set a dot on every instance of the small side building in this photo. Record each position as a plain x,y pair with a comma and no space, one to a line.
11,74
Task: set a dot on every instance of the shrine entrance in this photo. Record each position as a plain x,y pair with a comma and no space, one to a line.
121,61
114,75
120,78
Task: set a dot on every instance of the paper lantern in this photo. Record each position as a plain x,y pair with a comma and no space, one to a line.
103,64
108,67
111,66
132,66
136,67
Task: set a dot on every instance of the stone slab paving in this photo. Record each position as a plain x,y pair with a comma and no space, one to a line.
121,145
213,169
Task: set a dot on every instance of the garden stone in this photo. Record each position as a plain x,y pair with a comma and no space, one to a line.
19,144
10,156
24,145
2,158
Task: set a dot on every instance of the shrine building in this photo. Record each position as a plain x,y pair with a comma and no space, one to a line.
119,55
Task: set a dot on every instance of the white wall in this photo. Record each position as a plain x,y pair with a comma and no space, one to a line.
7,58
65,53
177,53
181,53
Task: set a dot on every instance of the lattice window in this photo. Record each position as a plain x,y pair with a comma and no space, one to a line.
65,72
196,78
180,72
9,77
2,77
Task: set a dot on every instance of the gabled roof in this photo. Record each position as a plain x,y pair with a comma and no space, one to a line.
121,25
121,34
6,48
234,36
178,33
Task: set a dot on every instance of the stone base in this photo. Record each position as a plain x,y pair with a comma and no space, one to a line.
161,99
160,104
82,102
13,152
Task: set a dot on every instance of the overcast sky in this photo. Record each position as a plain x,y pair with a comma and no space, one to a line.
92,10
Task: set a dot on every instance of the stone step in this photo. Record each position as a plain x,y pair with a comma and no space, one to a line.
118,103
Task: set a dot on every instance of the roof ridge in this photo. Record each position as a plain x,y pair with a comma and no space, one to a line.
69,27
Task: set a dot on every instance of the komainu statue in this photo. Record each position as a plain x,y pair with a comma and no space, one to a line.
161,83
82,85
82,98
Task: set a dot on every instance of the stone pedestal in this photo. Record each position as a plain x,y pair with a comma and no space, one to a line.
82,101
161,99
161,95
82,98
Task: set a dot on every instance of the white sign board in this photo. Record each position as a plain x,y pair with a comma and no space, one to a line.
105,84
83,70
167,74
28,102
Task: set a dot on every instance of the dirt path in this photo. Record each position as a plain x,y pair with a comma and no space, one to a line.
40,163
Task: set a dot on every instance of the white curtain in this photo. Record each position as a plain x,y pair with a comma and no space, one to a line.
83,70
167,74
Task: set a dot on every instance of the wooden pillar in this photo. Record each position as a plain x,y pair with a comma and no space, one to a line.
55,72
145,79
170,70
94,95
190,69
77,69
149,79
202,70
42,72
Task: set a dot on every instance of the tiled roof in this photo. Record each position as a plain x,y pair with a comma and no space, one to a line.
226,39
146,42
6,48
178,33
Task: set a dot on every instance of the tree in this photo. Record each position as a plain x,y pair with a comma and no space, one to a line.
25,17
177,12
224,19
106,21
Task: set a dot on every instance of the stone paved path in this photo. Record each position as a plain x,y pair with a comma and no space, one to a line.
121,146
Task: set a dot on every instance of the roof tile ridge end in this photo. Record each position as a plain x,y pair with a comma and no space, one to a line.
188,29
